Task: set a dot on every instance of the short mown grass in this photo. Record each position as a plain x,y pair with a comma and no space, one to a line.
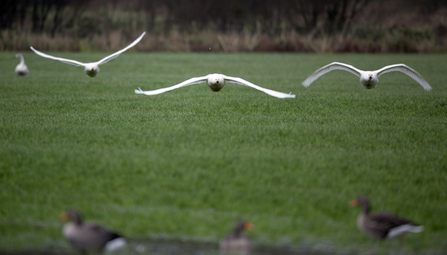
190,162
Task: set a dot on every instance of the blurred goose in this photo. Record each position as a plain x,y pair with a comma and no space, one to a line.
21,69
382,225
89,236
236,241
91,69
216,83
368,79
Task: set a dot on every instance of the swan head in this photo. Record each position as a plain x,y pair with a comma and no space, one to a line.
18,55
216,82
91,70
369,80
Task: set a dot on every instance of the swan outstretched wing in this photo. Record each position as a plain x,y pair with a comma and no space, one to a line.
406,70
116,54
330,67
249,84
63,60
191,81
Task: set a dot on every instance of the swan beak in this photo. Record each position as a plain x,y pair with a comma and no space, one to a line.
354,202
370,76
217,80
93,68
249,226
64,217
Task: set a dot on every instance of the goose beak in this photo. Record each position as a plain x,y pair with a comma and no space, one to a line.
249,226
64,217
354,202
370,76
93,68
217,80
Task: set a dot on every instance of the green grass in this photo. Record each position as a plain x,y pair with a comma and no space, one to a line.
190,162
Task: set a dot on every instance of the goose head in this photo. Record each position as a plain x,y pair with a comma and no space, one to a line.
216,82
362,201
241,226
73,215
369,79
91,70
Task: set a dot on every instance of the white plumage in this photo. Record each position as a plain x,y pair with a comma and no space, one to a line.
91,69
368,79
21,69
115,244
401,230
216,82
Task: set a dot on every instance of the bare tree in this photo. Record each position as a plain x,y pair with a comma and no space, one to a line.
334,16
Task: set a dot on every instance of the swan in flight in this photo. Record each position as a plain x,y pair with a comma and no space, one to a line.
91,69
21,69
368,79
216,83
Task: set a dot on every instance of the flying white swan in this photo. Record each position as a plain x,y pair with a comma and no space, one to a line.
21,69
368,79
91,69
216,83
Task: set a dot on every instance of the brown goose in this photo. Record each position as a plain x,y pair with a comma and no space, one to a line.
236,241
382,225
89,236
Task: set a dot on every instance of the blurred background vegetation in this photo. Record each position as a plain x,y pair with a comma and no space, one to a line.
226,25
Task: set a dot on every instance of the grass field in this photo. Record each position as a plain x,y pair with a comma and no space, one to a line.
190,162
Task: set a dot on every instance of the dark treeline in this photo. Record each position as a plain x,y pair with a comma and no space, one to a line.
227,15
228,25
